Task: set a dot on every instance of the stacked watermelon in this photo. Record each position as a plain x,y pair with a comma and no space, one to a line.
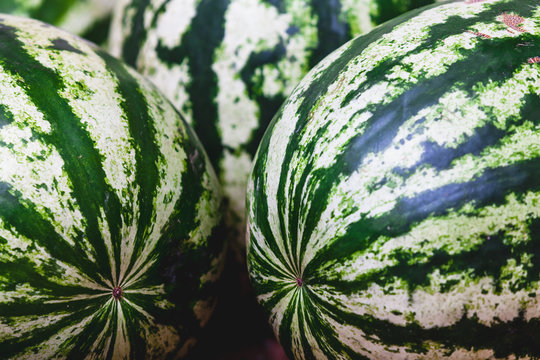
394,204
228,65
109,207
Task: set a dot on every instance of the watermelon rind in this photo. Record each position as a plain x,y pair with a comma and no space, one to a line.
228,65
110,243
394,200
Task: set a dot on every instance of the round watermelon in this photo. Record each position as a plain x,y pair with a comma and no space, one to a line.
109,207
394,203
228,65
87,18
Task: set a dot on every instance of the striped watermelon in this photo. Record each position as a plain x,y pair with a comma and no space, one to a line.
87,18
108,207
228,65
394,204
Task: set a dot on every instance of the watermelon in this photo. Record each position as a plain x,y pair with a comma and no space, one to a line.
394,202
228,65
87,18
109,207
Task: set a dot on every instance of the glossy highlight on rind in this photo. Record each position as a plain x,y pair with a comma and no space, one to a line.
399,182
109,208
228,65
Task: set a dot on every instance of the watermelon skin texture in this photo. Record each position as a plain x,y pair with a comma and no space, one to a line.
87,18
229,65
102,186
394,199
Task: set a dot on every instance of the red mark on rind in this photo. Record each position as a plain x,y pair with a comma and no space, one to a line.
479,34
299,281
513,21
534,60
117,292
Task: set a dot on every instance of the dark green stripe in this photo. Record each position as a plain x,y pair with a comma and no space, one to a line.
114,317
23,271
261,215
452,25
180,317
147,155
303,208
387,120
311,95
199,45
491,188
9,6
529,108
136,33
98,32
63,45
333,30
268,286
322,330
52,11
485,259
500,59
285,327
305,317
180,263
135,323
266,266
82,344
78,311
484,137
278,4
517,336
82,162
261,218
440,157
389,9
41,307
181,270
6,117
267,105
23,217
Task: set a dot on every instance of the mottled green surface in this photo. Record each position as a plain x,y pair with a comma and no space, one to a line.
87,18
394,204
228,65
102,185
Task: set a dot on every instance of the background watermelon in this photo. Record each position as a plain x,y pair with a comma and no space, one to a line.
394,205
87,18
109,207
228,65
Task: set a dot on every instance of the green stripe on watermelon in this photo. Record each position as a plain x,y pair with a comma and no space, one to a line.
87,18
109,245
393,204
228,65
146,153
